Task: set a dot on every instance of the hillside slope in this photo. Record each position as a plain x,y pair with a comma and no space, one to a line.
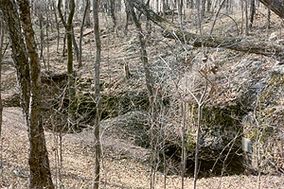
117,173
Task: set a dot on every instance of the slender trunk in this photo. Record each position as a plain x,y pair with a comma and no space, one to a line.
268,17
87,8
57,26
47,44
180,7
216,16
69,36
38,159
97,143
203,8
112,13
143,53
183,143
149,85
71,79
128,17
246,18
252,13
76,48
40,176
88,22
199,16
242,22
41,35
2,52
195,177
148,23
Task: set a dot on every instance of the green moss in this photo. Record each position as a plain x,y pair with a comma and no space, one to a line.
190,143
273,88
216,123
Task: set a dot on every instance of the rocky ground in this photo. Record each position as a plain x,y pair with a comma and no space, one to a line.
117,171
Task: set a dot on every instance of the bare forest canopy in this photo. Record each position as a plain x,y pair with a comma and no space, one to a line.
244,44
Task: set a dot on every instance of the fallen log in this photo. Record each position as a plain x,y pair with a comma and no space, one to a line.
277,6
249,45
243,44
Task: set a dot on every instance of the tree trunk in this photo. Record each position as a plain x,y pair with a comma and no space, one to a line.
88,22
252,13
203,8
180,14
69,35
128,17
143,52
76,48
87,8
97,144
29,80
246,18
112,13
268,17
209,3
2,52
19,54
57,26
38,159
149,85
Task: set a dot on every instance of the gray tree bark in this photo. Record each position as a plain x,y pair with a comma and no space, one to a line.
68,25
38,158
88,22
2,52
97,142
28,73
86,9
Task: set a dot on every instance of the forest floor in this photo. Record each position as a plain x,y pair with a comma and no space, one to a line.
119,169
118,172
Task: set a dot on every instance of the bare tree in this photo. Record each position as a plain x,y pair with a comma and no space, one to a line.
39,163
69,34
29,78
183,142
112,13
97,144
143,52
246,17
128,16
180,13
57,25
86,10
153,97
88,16
252,13
216,15
268,17
2,52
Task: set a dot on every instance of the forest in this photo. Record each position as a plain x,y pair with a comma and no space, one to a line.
141,94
